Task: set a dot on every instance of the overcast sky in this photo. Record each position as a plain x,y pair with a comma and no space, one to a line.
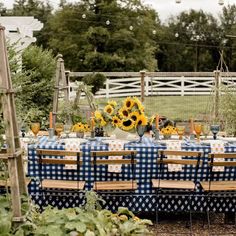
165,8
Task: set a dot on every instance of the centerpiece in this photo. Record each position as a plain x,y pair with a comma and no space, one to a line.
80,129
126,116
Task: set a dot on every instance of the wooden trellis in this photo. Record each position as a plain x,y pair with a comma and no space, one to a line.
17,180
61,86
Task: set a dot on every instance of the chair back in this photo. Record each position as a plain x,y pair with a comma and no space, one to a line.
164,160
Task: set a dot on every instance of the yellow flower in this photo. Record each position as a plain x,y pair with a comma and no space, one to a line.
127,124
138,104
109,109
112,103
98,115
123,112
103,122
151,120
128,103
78,127
142,120
134,115
115,121
86,127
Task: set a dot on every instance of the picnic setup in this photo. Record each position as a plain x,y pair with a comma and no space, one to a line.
89,148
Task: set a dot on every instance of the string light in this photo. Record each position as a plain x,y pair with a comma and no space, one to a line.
154,32
131,28
84,16
108,22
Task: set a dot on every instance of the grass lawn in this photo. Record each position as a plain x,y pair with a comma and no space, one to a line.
175,107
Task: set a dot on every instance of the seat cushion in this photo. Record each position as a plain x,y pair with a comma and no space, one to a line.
173,184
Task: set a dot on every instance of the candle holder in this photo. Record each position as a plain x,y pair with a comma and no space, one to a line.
51,134
156,132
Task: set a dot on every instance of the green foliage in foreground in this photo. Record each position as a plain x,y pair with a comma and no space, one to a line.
87,221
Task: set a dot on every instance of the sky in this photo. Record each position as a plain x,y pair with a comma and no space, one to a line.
166,8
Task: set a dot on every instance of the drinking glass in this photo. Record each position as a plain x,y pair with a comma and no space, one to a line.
67,129
35,127
205,130
59,128
198,130
180,131
140,130
215,129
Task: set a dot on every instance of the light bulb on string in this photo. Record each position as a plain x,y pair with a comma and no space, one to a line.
176,35
83,16
108,22
154,32
131,28
221,2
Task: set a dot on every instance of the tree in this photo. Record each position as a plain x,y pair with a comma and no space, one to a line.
35,83
105,35
197,37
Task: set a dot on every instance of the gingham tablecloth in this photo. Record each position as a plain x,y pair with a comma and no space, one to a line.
146,169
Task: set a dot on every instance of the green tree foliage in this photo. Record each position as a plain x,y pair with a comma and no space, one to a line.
191,40
35,85
105,35
228,21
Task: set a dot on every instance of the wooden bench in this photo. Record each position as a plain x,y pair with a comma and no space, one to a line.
60,184
114,185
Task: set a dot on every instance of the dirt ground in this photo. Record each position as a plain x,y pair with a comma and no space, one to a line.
178,224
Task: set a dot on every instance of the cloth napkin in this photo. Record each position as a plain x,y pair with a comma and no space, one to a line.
174,145
72,145
217,146
115,145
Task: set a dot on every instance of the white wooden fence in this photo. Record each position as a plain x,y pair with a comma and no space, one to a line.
157,84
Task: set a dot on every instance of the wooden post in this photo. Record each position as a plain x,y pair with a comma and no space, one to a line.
15,160
217,94
142,73
61,84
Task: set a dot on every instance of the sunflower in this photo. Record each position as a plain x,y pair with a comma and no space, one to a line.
134,115
86,127
78,127
138,104
123,112
127,124
109,109
98,115
128,103
115,121
112,103
142,120
103,122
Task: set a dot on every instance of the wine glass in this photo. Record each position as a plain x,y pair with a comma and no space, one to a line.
180,131
215,129
198,130
35,127
140,130
205,130
59,128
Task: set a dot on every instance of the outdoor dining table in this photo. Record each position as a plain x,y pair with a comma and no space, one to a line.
144,198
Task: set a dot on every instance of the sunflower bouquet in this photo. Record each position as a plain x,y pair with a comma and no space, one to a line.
126,115
168,130
80,127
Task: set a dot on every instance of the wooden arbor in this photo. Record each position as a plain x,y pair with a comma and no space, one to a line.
61,85
14,153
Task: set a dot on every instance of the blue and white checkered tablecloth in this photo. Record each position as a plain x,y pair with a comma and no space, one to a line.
146,170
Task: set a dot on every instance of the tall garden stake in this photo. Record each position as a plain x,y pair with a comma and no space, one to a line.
14,152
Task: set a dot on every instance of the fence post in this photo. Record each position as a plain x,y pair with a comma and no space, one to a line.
217,94
107,88
182,86
147,86
142,74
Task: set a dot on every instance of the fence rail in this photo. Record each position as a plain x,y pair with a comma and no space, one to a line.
122,84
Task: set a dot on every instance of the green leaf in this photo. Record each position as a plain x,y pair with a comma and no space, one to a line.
81,227
5,226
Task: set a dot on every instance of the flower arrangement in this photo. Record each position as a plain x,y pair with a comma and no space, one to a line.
169,130
125,116
80,127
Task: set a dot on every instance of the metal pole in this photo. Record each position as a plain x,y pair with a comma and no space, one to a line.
217,94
